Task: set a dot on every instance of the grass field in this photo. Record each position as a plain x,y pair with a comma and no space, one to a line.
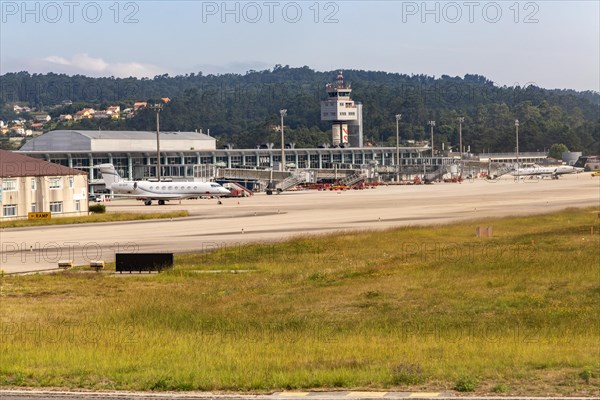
406,309
108,217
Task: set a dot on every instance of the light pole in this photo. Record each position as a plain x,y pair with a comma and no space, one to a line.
517,146
460,122
398,164
431,124
157,108
282,113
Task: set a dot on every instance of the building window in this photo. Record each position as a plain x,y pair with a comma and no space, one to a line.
33,184
9,210
77,205
55,183
33,207
71,182
9,185
56,207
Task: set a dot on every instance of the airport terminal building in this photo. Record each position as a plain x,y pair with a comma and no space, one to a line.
134,153
193,155
32,185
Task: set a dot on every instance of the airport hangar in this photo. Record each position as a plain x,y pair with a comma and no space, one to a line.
29,184
185,155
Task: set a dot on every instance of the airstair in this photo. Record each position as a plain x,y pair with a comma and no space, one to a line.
438,174
239,190
503,170
353,179
291,181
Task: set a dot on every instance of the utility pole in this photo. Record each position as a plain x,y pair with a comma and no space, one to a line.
157,108
398,163
282,113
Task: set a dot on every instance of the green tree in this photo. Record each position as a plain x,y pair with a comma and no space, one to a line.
556,150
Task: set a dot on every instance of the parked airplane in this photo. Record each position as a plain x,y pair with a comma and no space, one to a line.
161,191
554,172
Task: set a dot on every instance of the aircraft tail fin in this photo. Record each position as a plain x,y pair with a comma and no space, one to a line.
109,174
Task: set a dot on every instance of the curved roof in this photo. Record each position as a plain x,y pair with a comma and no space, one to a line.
81,140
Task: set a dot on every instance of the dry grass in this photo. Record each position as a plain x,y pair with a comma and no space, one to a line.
405,309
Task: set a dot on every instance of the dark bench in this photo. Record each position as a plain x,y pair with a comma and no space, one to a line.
65,264
130,262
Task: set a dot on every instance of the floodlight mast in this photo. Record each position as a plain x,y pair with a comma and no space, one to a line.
431,124
282,113
517,146
398,164
461,120
157,108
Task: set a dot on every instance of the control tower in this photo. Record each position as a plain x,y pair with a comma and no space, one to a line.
345,115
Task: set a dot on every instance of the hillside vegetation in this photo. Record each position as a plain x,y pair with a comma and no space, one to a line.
241,109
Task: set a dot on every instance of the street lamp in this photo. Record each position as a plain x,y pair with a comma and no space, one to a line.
398,165
157,108
431,124
460,122
282,113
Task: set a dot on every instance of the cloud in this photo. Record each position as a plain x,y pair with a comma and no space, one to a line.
57,60
84,64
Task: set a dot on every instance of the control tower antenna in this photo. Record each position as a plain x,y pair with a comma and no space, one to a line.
340,80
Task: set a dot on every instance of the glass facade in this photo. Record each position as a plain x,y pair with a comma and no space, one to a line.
180,165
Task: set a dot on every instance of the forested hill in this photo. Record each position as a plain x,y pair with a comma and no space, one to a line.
241,109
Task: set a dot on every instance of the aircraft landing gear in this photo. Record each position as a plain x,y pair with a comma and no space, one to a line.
148,202
161,202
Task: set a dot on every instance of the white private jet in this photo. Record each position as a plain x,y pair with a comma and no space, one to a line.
554,172
161,191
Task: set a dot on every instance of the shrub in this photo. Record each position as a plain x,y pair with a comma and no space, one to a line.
466,384
407,374
586,375
500,388
98,208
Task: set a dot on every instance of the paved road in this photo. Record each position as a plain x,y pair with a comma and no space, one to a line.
274,218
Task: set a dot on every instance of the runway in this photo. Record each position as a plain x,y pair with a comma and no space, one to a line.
279,217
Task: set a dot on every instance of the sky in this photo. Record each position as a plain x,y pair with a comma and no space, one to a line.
551,44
